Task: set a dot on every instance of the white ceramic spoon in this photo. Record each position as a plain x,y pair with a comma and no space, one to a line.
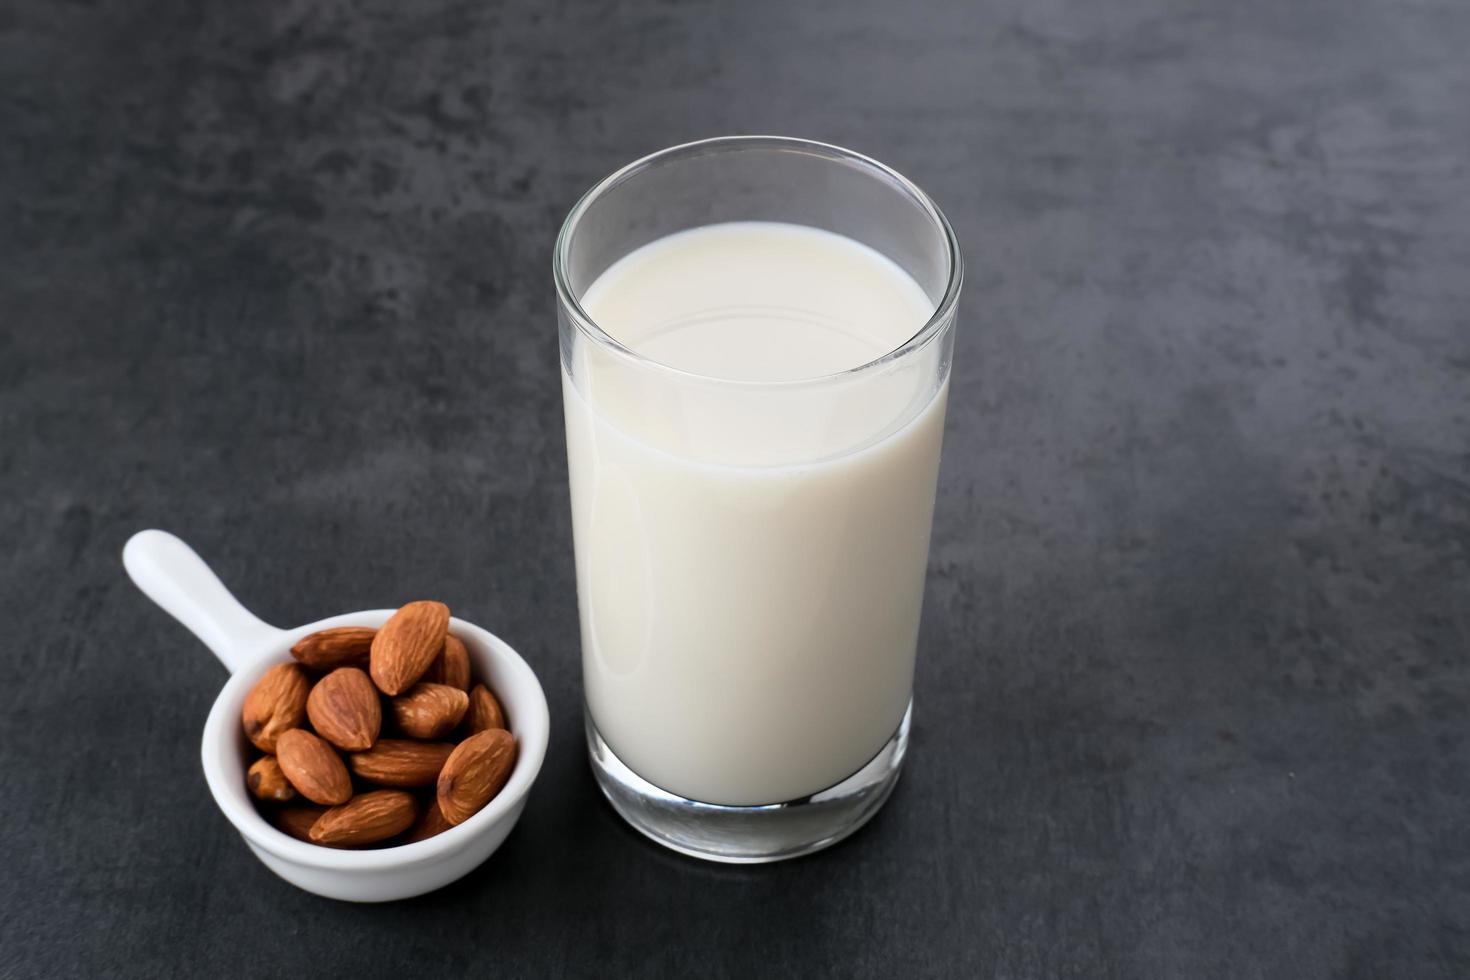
172,575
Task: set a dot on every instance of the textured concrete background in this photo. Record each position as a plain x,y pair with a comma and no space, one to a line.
1194,687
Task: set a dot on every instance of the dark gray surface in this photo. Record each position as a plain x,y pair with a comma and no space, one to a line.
1195,669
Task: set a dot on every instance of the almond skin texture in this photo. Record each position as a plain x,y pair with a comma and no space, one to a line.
344,709
430,710
484,712
274,705
407,644
267,782
342,646
400,762
452,666
298,820
313,767
476,770
429,824
366,819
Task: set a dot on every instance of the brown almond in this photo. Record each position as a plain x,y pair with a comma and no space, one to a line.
484,712
366,819
313,768
430,823
267,782
430,710
475,771
298,820
400,762
344,709
407,644
452,666
341,646
275,704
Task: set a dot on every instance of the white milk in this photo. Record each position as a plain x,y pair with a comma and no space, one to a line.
750,558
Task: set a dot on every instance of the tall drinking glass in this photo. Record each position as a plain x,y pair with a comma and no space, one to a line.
755,345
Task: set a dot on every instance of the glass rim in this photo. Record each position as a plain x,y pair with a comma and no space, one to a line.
943,310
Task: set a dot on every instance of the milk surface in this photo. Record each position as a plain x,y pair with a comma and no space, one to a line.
750,557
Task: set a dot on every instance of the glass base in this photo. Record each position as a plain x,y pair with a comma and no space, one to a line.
749,834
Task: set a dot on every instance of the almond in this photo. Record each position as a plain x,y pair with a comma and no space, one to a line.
484,712
314,769
366,819
275,704
475,771
452,666
298,820
430,710
267,782
407,644
344,709
430,823
341,646
400,762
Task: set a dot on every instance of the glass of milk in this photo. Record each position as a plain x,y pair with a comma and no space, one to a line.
755,344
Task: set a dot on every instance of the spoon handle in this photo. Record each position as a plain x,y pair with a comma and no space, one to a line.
171,574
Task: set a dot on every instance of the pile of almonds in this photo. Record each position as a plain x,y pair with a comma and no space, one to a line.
444,750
